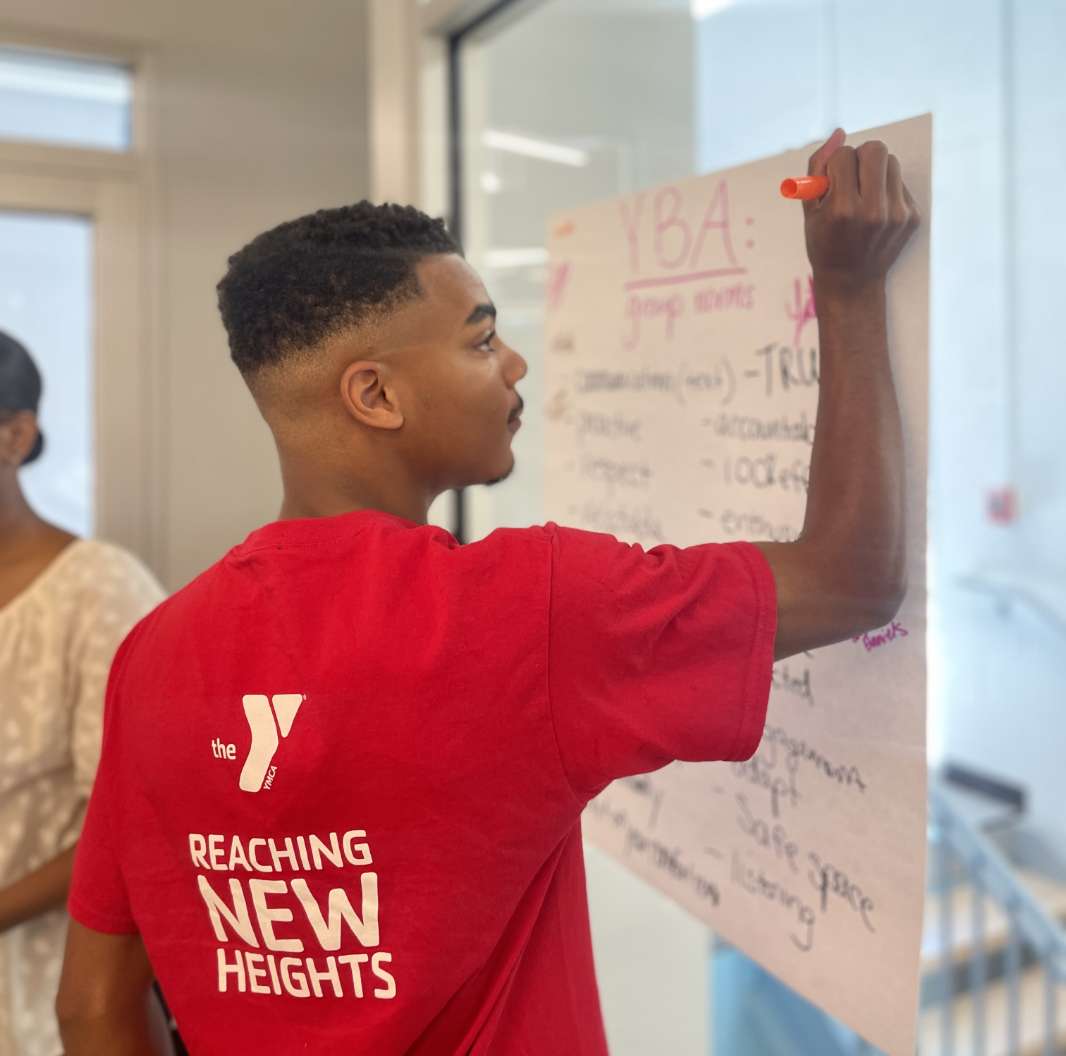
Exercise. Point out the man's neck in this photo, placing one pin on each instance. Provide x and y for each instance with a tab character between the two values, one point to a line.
300	505
312	489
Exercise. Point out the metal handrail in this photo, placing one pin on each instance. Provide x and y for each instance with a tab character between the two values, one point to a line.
999	879
991	875
1010	591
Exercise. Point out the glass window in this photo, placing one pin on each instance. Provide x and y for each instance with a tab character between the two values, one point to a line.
57	99
608	119
46	303
633	93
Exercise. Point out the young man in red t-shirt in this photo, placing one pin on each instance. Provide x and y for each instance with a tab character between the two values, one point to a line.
338	809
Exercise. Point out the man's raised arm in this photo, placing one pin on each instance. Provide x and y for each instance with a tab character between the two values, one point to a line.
847	571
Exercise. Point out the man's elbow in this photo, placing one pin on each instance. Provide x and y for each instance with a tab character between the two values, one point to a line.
864	589
82	1013
874	582
877	603
73	1012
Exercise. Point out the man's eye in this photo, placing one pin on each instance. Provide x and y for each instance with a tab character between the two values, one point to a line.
486	342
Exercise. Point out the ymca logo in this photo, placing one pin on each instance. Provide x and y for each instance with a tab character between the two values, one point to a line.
269	721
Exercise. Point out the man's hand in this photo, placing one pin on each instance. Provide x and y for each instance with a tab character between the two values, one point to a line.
857	229
847	571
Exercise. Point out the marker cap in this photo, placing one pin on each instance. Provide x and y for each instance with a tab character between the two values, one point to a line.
804	188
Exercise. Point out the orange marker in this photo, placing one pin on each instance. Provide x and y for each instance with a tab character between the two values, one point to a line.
805	188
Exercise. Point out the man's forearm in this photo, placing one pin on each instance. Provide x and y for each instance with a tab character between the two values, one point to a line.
847	571
855	502
37	892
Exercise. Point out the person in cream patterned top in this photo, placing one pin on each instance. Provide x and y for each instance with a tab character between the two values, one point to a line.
65	606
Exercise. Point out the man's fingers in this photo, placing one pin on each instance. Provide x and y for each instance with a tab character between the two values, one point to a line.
859	228
873	177
816	164
912	206
843	172
897	204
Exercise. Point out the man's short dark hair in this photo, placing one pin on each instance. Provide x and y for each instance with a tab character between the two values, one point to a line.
307	279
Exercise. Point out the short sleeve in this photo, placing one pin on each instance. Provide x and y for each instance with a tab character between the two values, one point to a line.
656	655
98	897
117	592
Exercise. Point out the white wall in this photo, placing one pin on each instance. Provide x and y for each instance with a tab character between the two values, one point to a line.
258	113
1004	692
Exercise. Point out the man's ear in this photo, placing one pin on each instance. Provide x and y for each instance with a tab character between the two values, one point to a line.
369	395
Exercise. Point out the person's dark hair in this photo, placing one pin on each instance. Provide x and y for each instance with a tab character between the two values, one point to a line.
20	386
306	279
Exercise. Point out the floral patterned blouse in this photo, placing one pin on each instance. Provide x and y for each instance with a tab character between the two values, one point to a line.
57	640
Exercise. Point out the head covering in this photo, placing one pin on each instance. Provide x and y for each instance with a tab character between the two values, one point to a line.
20	384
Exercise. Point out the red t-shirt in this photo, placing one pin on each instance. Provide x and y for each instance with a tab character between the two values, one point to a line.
343	772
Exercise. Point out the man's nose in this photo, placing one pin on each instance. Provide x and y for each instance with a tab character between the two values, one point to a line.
519	368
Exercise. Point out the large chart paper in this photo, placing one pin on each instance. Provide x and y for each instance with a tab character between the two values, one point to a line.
681	396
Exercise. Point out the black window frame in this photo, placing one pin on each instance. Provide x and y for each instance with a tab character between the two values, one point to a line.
456	173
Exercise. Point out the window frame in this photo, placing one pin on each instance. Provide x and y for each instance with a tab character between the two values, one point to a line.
118	191
416	85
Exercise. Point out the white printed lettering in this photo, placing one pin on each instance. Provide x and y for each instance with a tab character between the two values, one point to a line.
266	915
237	917
341	911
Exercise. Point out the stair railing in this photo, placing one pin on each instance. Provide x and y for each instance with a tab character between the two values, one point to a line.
961	848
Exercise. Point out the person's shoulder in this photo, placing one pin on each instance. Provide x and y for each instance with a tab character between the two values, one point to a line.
537	537
551	538
168	610
582	543
110	569
104	553
106	591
